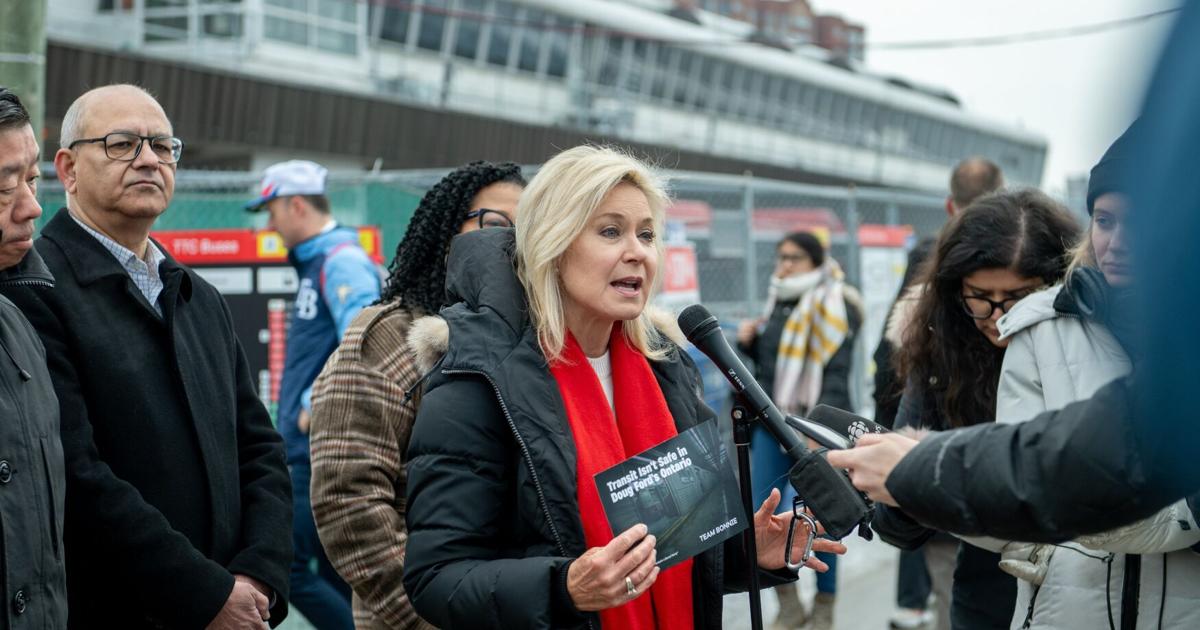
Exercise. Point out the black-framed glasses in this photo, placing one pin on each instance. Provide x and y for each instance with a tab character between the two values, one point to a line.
492	218
126	147
791	258
979	307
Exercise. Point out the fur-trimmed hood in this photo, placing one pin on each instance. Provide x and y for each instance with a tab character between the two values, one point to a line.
902	314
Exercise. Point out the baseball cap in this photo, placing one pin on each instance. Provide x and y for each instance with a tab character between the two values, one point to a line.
294	177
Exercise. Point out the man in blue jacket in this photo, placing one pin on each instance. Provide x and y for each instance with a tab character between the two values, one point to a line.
336	280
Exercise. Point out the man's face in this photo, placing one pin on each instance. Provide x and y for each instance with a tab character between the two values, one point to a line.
284	217
18	189
105	187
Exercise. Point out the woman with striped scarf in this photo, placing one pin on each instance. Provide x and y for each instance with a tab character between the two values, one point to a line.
803	350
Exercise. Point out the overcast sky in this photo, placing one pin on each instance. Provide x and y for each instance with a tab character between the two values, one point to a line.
1079	92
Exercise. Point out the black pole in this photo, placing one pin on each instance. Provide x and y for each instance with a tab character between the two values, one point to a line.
741	437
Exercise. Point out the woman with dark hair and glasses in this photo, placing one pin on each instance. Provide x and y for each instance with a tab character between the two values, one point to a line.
362	414
1002	248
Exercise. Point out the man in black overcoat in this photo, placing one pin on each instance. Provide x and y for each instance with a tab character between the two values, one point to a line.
178	500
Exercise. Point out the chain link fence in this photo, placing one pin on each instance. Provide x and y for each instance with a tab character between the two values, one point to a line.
732	222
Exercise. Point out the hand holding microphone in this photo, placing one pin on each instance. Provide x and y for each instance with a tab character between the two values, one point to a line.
871	461
867	450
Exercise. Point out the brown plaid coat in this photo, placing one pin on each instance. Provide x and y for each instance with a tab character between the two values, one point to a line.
361	423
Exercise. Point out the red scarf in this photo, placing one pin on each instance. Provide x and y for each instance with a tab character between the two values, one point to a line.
642	420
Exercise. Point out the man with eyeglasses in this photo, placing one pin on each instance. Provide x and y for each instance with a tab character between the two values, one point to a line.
178	503
336	280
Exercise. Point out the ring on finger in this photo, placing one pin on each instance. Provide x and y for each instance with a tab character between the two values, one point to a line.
630	589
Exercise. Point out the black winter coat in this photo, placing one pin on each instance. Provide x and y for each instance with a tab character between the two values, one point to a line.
1007	480
983	595
493	520
175	476
33	579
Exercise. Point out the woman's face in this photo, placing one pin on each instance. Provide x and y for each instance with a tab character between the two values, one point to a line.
791	260
1004	287
1109	238
500	200
608	270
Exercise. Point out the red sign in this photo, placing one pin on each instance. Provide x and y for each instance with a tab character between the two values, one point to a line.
872	235
211	247
695	214
680	270
797	219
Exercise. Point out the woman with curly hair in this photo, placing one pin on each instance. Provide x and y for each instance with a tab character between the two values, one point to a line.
362	411
1002	248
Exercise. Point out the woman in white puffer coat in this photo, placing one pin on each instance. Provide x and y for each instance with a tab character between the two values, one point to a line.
1067	342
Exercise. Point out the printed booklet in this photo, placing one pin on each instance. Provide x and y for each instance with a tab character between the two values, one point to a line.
684	490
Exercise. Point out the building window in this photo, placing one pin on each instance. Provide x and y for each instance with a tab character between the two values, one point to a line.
530	39
391	22
466	39
433	25
500	43
283	30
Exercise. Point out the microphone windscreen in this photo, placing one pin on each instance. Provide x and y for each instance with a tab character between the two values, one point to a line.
851	425
693	319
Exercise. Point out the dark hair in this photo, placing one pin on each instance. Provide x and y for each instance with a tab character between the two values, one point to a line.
1024	231
12	112
318	202
973	178
417	275
809	243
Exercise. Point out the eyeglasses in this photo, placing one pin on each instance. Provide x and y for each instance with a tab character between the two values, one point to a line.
791	258
126	147
491	218
978	307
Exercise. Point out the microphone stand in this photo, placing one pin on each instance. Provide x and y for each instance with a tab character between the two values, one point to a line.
742	423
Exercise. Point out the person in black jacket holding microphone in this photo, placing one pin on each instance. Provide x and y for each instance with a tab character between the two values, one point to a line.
1129	448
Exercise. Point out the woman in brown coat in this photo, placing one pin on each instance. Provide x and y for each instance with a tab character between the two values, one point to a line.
362	413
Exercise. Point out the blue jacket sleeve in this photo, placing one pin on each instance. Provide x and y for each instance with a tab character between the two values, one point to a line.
350	284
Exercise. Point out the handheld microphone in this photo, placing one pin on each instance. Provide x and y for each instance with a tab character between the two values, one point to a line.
819	433
704	331
845	426
824	488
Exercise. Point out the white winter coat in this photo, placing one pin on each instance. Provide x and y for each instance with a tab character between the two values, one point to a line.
1055	359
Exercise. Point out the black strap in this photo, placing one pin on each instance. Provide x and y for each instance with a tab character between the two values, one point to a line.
1029	612
1130	587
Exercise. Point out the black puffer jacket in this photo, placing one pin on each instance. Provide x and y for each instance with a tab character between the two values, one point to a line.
493	520
33	580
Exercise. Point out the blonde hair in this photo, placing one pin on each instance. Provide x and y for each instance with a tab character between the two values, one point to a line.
554	210
1083	254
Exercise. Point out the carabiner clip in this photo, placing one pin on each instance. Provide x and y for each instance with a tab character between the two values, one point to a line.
798	514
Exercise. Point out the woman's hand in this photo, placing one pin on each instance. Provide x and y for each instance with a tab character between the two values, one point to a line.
597	579
871	461
747	330
770	536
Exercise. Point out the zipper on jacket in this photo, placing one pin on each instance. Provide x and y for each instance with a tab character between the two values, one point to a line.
537	484
31	282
